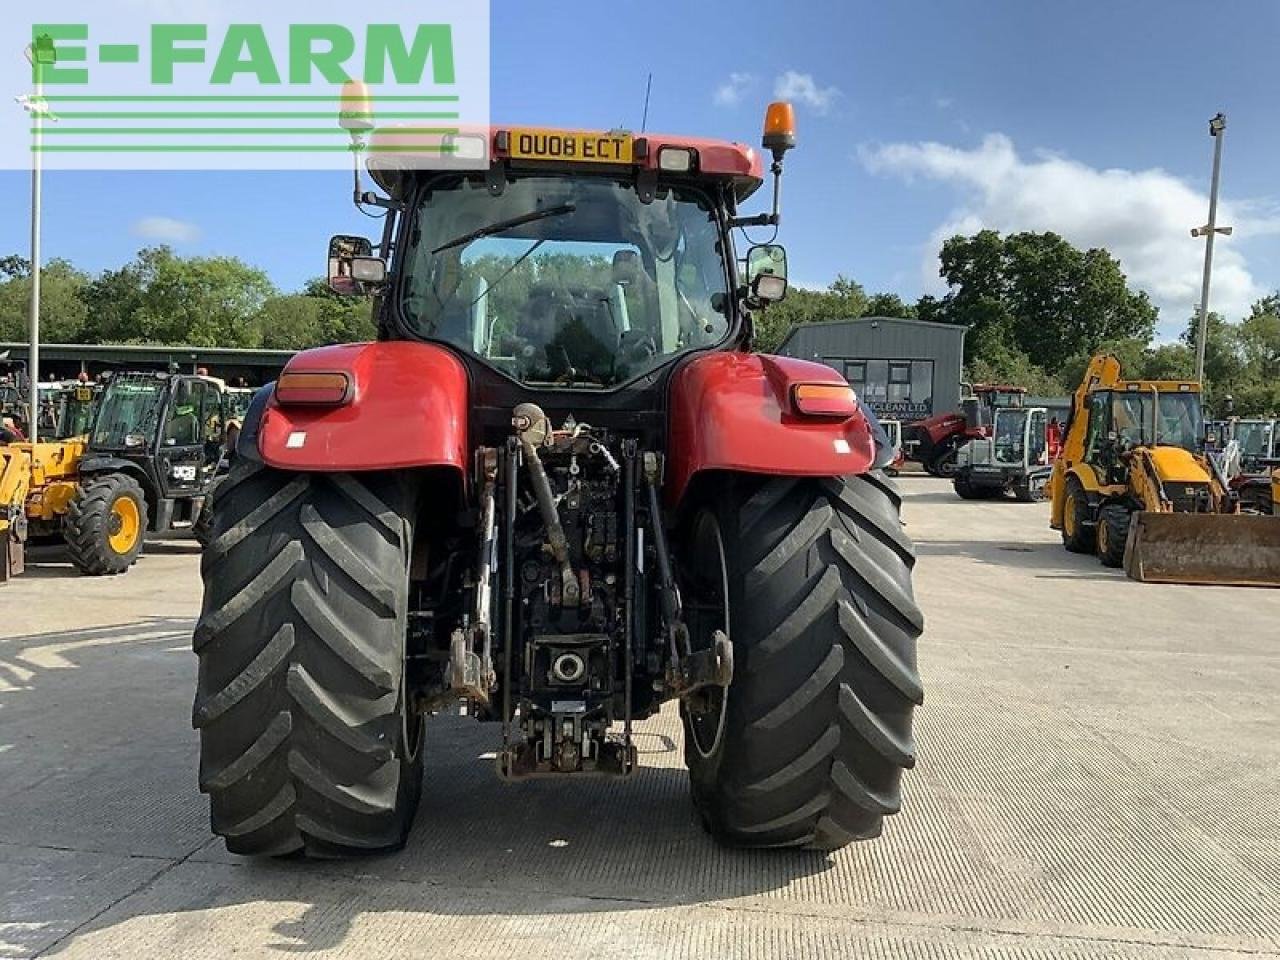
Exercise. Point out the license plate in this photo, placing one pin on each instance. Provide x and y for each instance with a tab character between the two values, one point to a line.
84	394
573	147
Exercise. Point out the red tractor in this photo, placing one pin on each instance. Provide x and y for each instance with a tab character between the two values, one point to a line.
561	490
933	442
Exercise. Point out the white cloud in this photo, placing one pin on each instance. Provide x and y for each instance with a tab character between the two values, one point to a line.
731	92
1142	216
803	88
166	230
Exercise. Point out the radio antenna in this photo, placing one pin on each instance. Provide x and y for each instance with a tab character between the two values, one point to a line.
648	89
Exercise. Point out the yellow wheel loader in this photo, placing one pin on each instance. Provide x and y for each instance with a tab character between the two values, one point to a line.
38	481
1135	486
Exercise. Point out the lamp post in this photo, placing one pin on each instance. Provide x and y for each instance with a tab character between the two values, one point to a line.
1217	130
40	54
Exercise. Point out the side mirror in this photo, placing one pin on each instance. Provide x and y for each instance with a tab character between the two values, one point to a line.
767	272
353	269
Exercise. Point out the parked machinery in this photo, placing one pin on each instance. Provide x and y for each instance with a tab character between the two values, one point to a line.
1014	459
1252	445
1135	486
934	442
562	490
145	465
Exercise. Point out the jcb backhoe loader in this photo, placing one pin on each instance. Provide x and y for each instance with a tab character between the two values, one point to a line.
1135	486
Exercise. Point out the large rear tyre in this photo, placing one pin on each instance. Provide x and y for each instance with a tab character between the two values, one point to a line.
816	726
1113	533
106	524
1078	534
307	739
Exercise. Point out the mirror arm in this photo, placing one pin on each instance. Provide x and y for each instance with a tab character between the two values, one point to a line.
759	220
774	217
362	197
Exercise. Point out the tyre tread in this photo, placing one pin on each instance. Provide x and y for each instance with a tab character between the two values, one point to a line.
819	728
301	650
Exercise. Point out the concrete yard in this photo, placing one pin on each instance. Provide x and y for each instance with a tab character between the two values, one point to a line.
1099	776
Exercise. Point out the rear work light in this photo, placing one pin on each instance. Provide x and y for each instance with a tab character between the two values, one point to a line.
675	160
322	389
833	400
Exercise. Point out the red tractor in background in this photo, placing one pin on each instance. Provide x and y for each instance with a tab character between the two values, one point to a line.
560	490
933	442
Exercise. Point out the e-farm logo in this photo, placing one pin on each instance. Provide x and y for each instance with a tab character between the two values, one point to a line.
316	50
240	93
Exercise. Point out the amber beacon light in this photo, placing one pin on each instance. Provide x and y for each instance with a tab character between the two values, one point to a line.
779	129
779	137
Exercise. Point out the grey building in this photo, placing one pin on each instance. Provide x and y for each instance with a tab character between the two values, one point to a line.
64	361
903	369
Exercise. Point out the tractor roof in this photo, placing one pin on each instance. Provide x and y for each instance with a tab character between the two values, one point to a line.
396	148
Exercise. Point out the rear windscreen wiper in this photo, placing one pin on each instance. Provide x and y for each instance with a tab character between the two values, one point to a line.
504	225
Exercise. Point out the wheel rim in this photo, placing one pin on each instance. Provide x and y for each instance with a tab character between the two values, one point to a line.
1069	515
412	720
706	612
1104	539
123	525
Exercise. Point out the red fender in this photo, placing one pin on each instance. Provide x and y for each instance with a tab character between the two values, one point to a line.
407	408
732	411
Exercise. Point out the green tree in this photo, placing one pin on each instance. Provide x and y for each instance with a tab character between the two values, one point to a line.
62	308
312	319
13	267
1011	366
843	300
162	298
1257	347
1038	295
1224	370
888	305
1169	361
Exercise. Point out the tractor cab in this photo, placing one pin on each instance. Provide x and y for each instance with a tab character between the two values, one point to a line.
983	400
164	431
574	263
66	409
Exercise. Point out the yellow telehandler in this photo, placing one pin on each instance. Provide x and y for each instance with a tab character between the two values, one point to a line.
1134	486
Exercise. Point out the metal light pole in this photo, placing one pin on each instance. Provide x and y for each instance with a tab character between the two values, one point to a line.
39	54
1217	130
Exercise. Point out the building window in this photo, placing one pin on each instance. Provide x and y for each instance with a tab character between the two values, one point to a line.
894	389
899	390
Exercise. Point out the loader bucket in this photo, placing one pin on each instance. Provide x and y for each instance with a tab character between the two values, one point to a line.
1211	548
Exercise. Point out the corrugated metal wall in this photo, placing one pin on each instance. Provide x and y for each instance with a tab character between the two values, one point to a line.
842	344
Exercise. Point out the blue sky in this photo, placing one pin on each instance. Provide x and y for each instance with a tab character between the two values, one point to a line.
916	119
